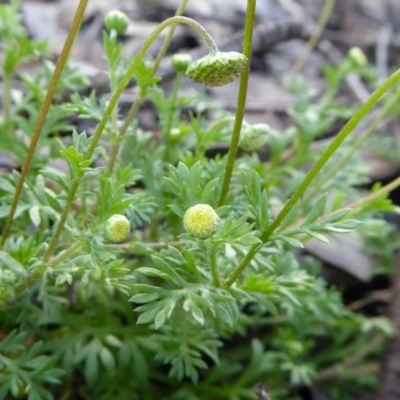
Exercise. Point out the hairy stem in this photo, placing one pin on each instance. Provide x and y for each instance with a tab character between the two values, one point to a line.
241	102
113	102
139	99
43	113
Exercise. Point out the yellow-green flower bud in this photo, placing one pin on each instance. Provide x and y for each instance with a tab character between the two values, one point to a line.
117	228
357	56
217	69
252	137
181	62
201	221
117	21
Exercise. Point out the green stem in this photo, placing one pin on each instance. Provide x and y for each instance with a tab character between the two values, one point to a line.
63	218
213	266
113	102
241	102
356	145
168	38
202	141
346	130
43	114
112	65
38	273
323	20
138	101
65	255
339	139
7	97
374	196
173	103
242	266
115	148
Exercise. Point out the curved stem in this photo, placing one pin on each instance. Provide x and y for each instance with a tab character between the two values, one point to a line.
241	103
346	130
113	102
43	113
168	38
138	101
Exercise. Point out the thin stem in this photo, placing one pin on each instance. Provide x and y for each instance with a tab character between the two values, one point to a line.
242	266
132	112
63	218
139	99
113	102
213	266
65	255
376	195
173	103
356	145
346	130
323	20
168	38
241	102
7	97
43	113
38	273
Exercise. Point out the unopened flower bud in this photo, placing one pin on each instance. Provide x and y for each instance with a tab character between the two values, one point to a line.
117	21
252	137
117	228
217	69
181	62
201	221
357	56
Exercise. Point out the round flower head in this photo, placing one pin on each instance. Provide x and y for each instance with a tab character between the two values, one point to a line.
117	21
117	228
181	62
252	137
200	221
357	56
217	69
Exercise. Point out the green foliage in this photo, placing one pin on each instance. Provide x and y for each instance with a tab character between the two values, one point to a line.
166	315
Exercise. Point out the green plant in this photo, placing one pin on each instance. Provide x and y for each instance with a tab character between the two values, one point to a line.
201	314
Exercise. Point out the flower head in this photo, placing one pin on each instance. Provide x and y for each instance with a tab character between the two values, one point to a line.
252	137
201	221
181	62
357	56
117	228
117	21
217	69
